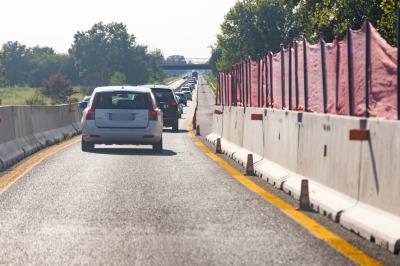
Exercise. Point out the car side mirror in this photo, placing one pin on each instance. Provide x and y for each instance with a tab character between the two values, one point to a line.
83	105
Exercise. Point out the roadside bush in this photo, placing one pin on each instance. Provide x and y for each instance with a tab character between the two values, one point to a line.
58	88
36	99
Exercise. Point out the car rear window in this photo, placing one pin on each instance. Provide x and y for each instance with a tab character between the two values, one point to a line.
163	95
120	100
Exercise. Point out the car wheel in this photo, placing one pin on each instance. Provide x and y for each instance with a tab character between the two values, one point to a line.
87	146
158	147
175	127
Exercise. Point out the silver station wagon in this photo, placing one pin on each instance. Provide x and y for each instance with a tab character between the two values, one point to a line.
122	115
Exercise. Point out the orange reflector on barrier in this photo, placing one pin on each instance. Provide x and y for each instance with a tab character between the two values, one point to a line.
359	134
218	112
72	101
256	117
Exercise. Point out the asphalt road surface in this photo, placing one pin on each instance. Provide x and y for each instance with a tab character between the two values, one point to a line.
126	205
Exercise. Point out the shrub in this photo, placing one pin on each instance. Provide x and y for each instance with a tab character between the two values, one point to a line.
36	99
58	88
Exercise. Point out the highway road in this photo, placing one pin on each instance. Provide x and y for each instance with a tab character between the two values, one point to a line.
126	205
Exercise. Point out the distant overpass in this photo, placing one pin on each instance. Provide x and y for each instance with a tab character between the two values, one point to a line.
191	64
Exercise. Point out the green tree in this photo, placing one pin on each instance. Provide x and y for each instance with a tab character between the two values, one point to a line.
118	79
176	59
215	57
387	22
14	58
58	88
105	49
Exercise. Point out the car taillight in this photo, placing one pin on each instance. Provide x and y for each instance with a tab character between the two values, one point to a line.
173	103
153	115
90	114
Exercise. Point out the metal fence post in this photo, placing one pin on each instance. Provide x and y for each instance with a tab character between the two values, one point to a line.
350	71
323	64
262	81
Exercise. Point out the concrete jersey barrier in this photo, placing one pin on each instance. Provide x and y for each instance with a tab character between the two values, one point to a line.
354	182
26	129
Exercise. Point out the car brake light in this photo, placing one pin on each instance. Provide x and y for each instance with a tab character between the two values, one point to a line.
90	115
153	114
173	103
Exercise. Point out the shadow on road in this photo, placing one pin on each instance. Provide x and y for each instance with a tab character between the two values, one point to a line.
133	151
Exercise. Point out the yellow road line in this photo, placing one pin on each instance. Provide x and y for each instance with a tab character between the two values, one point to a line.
16	172
316	229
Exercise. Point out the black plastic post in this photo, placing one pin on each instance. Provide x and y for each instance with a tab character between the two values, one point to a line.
283	76
398	64
258	83
242	81
305	75
296	75
262	81
271	79
266	80
367	65
350	71
247	83
323	64
233	88
290	77
249	92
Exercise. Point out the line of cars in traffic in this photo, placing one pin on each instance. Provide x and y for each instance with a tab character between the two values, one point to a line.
132	114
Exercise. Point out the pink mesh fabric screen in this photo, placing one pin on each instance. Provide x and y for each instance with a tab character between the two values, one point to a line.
383	86
276	79
315	88
292	88
264	84
254	83
343	82
300	73
358	56
330	63
286	79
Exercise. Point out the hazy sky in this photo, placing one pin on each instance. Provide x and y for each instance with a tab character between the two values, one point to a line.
184	27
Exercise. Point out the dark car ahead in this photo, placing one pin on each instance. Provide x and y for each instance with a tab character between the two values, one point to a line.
168	103
182	98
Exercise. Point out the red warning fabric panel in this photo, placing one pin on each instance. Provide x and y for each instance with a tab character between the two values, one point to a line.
315	88
358	56
383	92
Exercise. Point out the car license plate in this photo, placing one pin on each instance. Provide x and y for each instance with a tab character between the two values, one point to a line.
122	117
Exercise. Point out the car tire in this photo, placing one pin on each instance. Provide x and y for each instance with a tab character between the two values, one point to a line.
158	147
175	127
87	146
